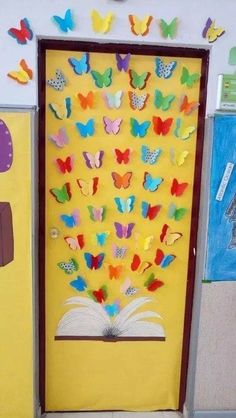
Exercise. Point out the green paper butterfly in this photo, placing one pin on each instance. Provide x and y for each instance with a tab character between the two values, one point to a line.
189	79
62	195
138	81
175	213
163	102
102	80
168	29
68	266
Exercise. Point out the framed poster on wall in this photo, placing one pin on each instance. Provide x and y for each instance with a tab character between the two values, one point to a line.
121	137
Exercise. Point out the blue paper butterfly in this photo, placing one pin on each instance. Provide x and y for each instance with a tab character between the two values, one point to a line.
125	205
151	183
71	220
101	238
94	262
165	70
139	129
112	309
87	129
80	66
167	260
65	23
150	156
79	284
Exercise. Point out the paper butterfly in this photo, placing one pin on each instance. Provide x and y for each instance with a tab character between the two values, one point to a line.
113	101
139	129
138	81
138	26
112	126
75	243
122	156
137	102
60	139
168	237
189	79
150	212
161	127
186	106
88	188
68	266
62	195
101	238
113	309
94	262
164	70
144	243
123	231
59	82
61	111
118	252
149	156
79	284
127	288
125	205
168	29
23	34
65	165
183	133
97	214
176	213
71	220
93	160
210	32
151	183
86	101
102	80
139	265
152	283
177	189
115	271
122	181
80	66
86	129
123	63
99	295
179	159
101	24
163	260
64	24
23	75
163	102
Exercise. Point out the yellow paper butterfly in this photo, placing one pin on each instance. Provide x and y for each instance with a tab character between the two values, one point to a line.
210	32
178	159
88	188
168	237
140	26
144	243
23	75
101	24
183	132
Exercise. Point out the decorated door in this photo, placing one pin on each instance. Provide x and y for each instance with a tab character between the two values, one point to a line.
121	135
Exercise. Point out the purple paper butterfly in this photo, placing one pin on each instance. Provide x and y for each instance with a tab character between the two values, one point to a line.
93	161
123	63
123	231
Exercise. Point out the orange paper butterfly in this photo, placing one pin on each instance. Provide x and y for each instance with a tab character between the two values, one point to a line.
122	181
115	271
86	101
186	106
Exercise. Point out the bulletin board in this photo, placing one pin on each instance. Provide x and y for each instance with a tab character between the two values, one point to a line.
121	136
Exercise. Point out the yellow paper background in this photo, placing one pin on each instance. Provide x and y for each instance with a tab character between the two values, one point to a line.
94	375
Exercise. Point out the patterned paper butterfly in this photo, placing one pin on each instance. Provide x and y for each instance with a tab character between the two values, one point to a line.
163	102
23	34
59	82
94	262
71	220
88	188
86	129
76	243
139	265
23	75
176	213
123	62
148	211
140	26
163	260
169	29
149	156
64	23
113	100
177	189
62	195
80	66
121	181
164	70
139	129
189	79
152	283
161	127
101	24
168	237
102	79
79	284
178	159
137	102
138	81
122	156
124	231
60	139
112	126
125	205
65	166
93	160
119	252
69	267
97	214
127	288
61	111
144	243
210	32
115	271
183	132
151	183
86	101
99	295
186	106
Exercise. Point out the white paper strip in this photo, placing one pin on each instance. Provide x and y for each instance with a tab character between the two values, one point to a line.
224	181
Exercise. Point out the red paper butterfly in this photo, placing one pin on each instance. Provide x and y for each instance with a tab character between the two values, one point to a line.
65	165
152	283
161	127
22	34
122	156
177	189
139	265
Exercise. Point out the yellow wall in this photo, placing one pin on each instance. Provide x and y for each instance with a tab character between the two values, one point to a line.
16	318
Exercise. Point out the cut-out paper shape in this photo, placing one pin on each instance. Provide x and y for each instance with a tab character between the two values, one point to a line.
6	234
186	106
72	220
62	195
102	79
138	265
60	139
121	181
137	102
101	238
69	267
176	213
99	295
177	189
124	231
163	102
210	32
183	132
189	79
125	205
86	129
163	260
76	243
232	56
88	188
138	81
101	24
115	271
152	284
144	243
178	159
65	166
66	23
23	34
149	156
112	309
6	148
168	237
97	214
112	126
113	100
119	252
79	284
123	62
80	66
161	127
61	111
86	101
59	82
122	156
140	26
168	30
23	75
139	129
164	70
151	183
54	233
93	160
148	211
94	262
127	288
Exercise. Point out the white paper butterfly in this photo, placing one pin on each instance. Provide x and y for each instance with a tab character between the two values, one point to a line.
113	101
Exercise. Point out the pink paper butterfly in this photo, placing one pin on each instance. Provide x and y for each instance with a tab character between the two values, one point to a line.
60	139
112	126
75	243
97	214
123	231
118	252
93	161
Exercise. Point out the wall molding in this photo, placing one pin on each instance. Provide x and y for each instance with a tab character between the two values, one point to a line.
214	414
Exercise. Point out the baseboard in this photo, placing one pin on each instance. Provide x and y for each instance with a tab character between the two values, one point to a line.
214	414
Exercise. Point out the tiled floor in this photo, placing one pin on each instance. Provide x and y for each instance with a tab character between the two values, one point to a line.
116	415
